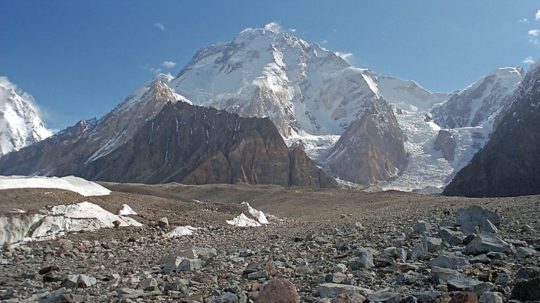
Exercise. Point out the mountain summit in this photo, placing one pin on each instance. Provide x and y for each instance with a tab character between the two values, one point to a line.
308	92
20	124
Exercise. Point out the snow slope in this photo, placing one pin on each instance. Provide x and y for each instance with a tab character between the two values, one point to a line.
467	115
71	183
20	124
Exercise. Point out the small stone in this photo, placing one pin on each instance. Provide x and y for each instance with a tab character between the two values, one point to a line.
449	236
163	222
332	290
469	284
480	259
441	275
464	297
385	297
48	269
148	284
526	273
449	261
263	274
189	265
525	252
85	281
364	259
421	226
278	290
433	244
491	297
419	250
225	298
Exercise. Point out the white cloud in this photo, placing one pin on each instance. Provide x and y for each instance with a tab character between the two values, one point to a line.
538	15
168	64
155	71
292	30
159	26
534	41
528	60
324	42
534	32
524	20
345	56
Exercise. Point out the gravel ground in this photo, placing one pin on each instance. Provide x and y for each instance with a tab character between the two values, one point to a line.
318	240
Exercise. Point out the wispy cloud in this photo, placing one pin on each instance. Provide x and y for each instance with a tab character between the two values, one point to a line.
538	15
324	42
528	60
534	32
524	20
168	64
345	56
159	26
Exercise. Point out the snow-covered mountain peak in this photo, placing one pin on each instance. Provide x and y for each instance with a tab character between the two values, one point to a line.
20	123
480	102
267	72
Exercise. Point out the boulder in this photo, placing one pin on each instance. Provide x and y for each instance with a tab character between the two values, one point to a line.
278	290
332	290
491	297
486	243
450	236
469	284
364	259
449	261
441	275
225	298
421	226
475	217
385	297
527	290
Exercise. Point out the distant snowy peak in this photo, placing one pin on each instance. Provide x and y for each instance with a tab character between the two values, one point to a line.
481	102
407	94
20	124
265	72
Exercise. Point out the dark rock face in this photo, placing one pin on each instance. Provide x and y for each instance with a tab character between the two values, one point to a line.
182	143
367	152
446	143
509	163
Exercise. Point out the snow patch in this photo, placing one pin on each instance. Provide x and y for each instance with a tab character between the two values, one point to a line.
243	221
261	217
126	210
71	183
180	231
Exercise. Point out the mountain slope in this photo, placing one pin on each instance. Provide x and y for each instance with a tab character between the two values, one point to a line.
20	124
310	93
509	163
481	102
178	143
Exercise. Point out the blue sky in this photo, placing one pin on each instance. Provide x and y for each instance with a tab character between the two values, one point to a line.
81	58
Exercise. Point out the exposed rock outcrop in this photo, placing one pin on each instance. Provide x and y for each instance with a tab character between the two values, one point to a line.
446	144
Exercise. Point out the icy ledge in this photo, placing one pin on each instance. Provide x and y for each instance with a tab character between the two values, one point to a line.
84	216
71	183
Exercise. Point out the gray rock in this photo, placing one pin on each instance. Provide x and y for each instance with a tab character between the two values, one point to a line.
189	265
332	290
491	297
433	244
336	277
525	252
486	243
428	296
85	281
396	253
263	274
421	226
526	273
475	217
385	296
342	268
480	259
70	281
130	293
225	298
441	275
450	236
364	259
148	284
526	290
469	284
449	261
419	250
